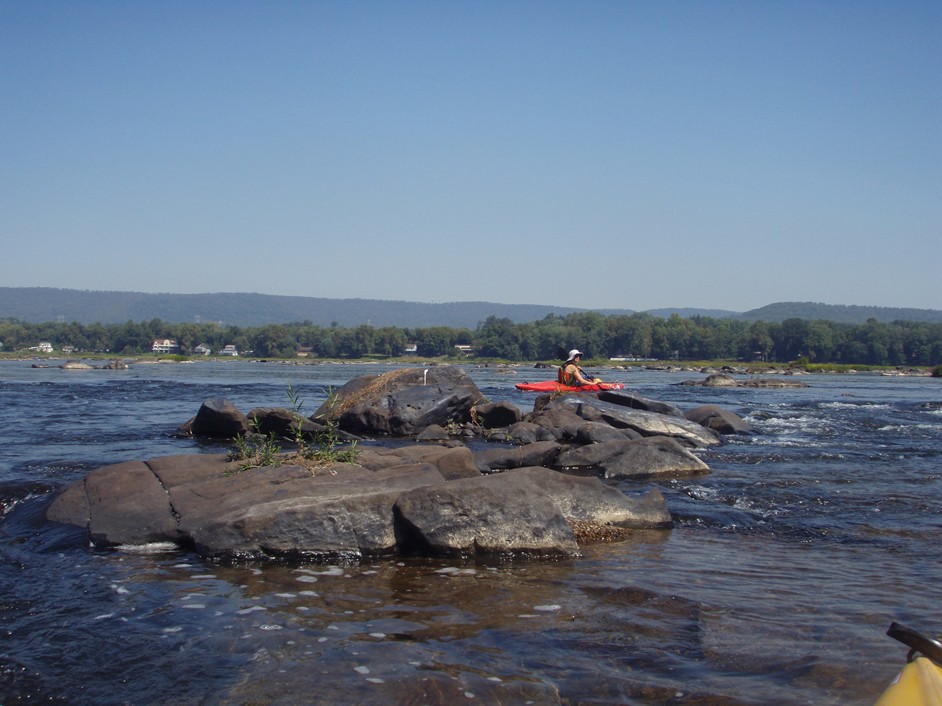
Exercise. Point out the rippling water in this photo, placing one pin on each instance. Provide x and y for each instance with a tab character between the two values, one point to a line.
776	585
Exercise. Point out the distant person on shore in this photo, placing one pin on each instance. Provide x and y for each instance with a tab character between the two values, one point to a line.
571	374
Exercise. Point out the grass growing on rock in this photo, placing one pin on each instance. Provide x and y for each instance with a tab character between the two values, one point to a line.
316	452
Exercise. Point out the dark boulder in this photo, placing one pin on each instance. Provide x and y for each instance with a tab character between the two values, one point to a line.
597	432
718	419
528	433
495	415
562	422
217	418
584	458
280	422
653	456
433	432
403	402
540	453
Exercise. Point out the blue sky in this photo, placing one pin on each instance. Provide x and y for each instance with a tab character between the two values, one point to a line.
635	154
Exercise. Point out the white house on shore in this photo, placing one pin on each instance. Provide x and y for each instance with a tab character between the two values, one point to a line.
43	347
202	349
229	350
165	345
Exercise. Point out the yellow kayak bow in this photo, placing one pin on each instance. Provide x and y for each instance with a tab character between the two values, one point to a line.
920	682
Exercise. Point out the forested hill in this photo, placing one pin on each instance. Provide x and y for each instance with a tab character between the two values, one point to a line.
43	304
813	311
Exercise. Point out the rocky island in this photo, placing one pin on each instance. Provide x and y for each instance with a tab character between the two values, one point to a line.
437	470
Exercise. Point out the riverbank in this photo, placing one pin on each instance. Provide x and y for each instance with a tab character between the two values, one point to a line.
671	366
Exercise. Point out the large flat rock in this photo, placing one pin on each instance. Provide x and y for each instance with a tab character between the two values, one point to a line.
345	510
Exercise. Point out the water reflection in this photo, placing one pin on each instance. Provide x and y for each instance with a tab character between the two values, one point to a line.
626	622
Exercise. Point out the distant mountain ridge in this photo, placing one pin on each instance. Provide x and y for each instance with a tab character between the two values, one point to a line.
41	304
49	304
839	313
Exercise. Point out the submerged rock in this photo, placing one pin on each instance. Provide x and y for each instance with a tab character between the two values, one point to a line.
722	380
75	365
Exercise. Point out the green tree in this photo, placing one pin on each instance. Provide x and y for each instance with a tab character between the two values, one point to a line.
819	341
499	338
434	341
876	337
274	341
632	335
552	337
132	339
758	342
356	342
390	341
678	333
14	334
791	340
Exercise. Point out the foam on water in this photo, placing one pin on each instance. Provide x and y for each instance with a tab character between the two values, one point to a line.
149	548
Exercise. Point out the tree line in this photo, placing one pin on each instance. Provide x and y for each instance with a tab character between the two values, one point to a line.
639	336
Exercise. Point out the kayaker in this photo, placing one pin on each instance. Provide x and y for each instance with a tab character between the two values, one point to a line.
571	374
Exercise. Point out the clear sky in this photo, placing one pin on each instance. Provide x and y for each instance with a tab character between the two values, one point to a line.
622	154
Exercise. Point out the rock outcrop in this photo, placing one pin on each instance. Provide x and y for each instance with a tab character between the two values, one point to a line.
590	408
403	402
346	511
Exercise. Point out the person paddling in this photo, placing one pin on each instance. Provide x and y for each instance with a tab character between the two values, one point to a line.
571	374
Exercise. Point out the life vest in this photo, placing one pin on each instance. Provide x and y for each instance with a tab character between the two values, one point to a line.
565	378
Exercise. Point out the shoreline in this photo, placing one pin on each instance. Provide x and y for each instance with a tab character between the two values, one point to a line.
512	367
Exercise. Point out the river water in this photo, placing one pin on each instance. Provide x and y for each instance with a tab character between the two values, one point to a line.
784	568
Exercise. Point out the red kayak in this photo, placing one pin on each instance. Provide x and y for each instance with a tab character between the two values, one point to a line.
553	386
